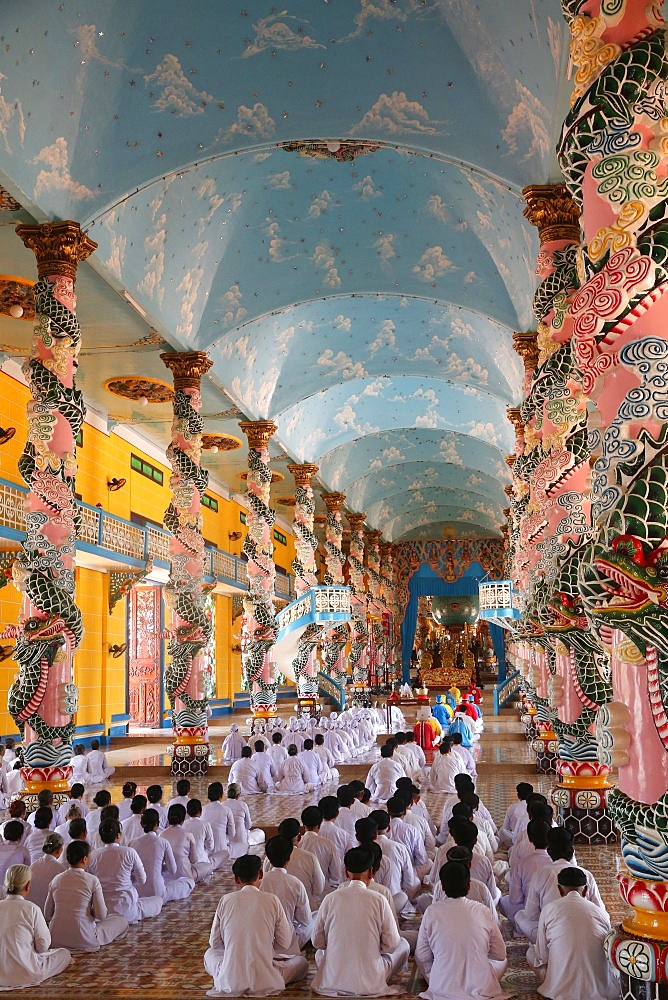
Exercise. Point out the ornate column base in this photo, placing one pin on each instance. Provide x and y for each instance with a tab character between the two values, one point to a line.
37	779
530	726
545	747
581	800
638	947
190	759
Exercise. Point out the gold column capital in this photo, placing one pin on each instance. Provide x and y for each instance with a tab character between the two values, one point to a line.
510	460
515	418
373	535
509	491
258	432
333	501
58	246
526	345
551	209
187	367
356	521
387	551
303	474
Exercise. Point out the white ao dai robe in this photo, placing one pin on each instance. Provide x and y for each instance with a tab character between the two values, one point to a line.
293	777
157	858
458	939
26	957
360	946
44	870
77	912
120	870
571	932
249	933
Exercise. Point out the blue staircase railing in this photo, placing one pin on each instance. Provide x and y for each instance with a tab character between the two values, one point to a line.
504	692
333	690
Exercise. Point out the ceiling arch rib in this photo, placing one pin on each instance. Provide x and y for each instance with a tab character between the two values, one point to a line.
427	498
396	527
423	449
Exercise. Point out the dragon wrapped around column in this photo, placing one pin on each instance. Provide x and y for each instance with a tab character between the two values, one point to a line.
305	570
259	620
360	631
334	641
190	627
43	697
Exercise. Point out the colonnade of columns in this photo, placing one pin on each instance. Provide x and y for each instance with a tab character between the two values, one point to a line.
588	533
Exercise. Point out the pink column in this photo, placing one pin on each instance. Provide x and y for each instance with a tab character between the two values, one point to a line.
360	633
305	569
186	676
335	641
43	699
259	628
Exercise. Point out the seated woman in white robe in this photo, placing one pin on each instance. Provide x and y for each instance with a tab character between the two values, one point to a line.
460	951
35	839
98	770
45	869
293	775
183	847
12	782
157	858
120	871
245	837
26	956
75	907
106	812
202	833
128	791
249	939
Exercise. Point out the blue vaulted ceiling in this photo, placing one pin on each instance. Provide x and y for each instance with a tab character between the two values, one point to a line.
324	196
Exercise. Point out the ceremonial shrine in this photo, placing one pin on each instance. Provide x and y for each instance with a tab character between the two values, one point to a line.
334	499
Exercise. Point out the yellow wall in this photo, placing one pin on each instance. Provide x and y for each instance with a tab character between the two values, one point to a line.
101	678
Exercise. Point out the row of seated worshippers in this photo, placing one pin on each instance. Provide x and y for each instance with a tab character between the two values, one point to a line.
362	939
76	885
343	736
357	909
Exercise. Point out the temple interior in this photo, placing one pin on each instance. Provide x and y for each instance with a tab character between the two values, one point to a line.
333	379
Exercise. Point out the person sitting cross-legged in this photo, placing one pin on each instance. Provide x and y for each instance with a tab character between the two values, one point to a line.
460	951
120	870
249	940
289	890
26	955
75	906
158	860
359	948
569	956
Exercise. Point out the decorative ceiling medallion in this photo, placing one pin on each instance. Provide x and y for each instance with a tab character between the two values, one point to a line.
140	388
276	477
16	297
223	442
332	149
7	203
286	501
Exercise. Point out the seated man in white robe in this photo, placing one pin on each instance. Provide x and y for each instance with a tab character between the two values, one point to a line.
460	951
313	762
249	940
264	764
184	848
245	773
329	806
478	891
289	890
99	770
75	908
277	752
182	797
233	745
329	770
293	775
382	777
520	875
131	826
120	870
544	887
569	956
358	945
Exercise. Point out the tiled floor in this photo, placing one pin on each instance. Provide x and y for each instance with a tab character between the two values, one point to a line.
163	957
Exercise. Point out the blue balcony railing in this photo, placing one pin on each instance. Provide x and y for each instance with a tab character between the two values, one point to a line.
129	544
